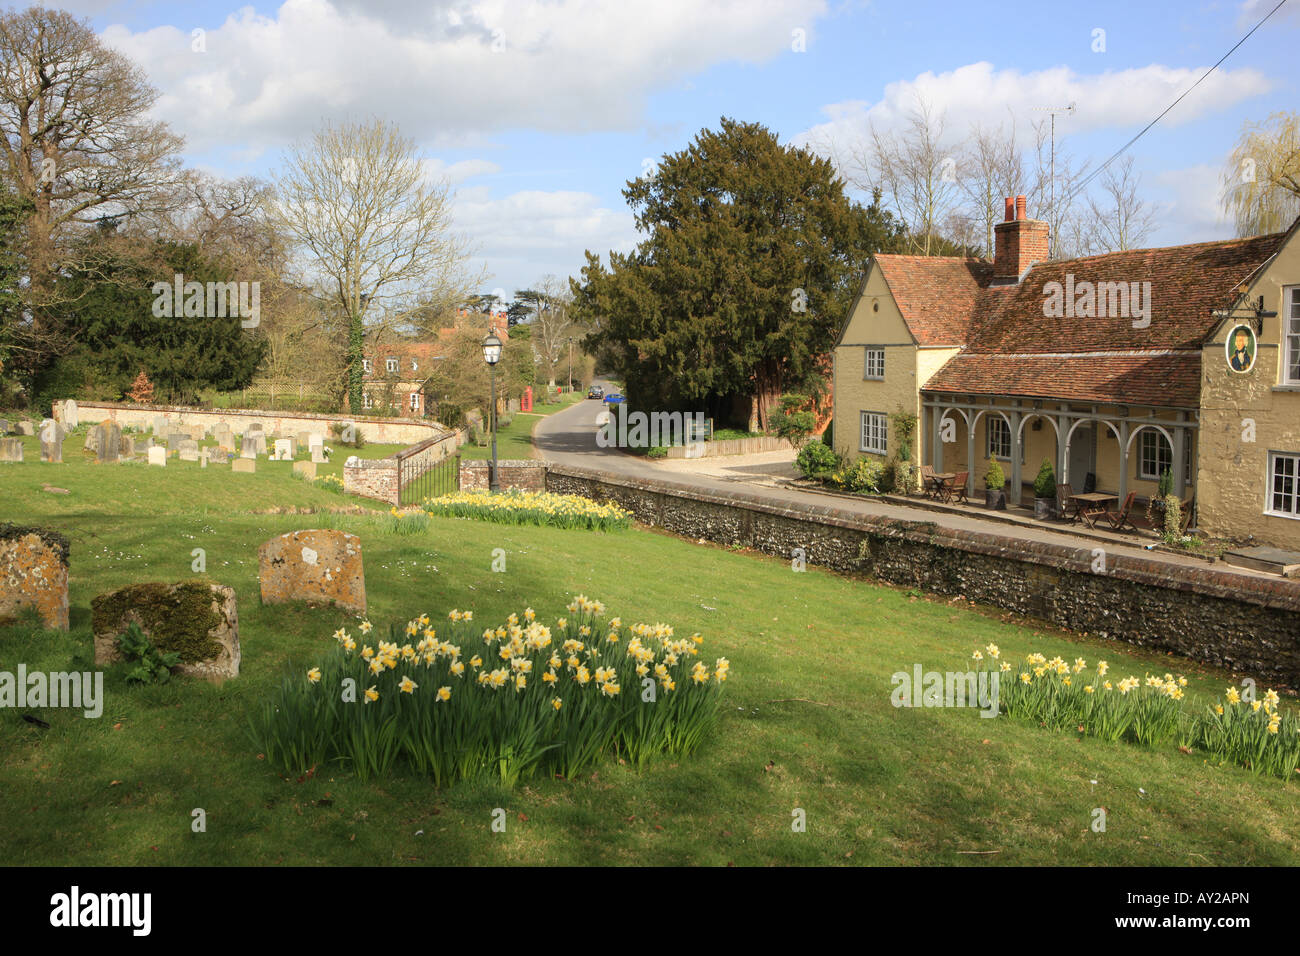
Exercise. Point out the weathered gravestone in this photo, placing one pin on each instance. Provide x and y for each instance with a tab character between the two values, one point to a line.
245	465
158	456
196	619
108	442
203	458
218	456
26	428
34	574
303	439
283	449
174	439
128	446
223	435
11	449
189	450
51	441
160	425
305	468
5	427
316	566
317	446
70	420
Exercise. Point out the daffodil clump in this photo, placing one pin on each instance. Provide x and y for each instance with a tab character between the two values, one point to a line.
539	508
516	700
331	482
1147	710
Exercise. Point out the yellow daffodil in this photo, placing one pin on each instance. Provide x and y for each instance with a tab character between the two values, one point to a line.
313	675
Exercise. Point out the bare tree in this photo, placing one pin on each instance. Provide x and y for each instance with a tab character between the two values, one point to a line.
1054	183
78	146
1261	179
992	168
357	200
1119	220
915	172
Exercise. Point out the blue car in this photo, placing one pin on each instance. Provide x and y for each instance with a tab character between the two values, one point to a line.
613	398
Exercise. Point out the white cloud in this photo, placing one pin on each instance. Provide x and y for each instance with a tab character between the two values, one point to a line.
979	93
449	73
1195	213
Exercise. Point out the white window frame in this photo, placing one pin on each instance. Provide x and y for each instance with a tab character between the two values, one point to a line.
415	401
873	371
988	438
415	366
1142	455
367	401
1290	315
1271	490
391	364
873	426
365	366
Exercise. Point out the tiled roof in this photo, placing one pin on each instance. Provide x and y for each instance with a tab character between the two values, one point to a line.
1168	378
936	294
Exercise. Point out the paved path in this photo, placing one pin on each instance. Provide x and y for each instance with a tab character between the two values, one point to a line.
568	437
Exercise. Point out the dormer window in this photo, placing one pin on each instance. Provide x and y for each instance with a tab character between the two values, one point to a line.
392	365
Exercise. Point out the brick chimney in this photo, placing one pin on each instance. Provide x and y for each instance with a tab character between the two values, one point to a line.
1019	241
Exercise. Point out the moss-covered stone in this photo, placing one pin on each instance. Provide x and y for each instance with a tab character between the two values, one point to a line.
177	617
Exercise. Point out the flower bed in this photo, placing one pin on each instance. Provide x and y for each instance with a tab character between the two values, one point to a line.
540	508
1254	734
515	701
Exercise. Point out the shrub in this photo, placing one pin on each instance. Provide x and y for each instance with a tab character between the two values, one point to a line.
793	420
817	460
154	666
530	700
339	429
994	479
539	508
1173	519
864	476
1045	483
656	451
503	421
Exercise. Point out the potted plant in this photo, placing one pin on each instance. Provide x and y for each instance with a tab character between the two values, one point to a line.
995	496
1045	491
1156	503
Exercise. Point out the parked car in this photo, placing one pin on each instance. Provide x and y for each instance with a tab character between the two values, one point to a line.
595	392
613	398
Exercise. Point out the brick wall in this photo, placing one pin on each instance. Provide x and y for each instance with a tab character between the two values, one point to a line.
513	474
371	478
1224	618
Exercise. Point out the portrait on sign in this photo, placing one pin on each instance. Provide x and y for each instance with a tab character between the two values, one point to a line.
1241	347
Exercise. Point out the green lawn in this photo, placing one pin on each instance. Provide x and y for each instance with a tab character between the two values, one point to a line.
515	441
806	721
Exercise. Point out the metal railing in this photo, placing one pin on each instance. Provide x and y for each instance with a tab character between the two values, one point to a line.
426	471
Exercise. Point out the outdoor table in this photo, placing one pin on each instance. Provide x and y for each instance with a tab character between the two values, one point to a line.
935	482
1090	505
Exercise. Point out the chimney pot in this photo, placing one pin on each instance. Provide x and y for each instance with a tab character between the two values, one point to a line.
1020	208
1010	210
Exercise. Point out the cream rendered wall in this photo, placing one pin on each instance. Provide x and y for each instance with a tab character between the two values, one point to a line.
1232	482
875	321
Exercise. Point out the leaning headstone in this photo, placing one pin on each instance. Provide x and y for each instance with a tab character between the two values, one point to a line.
51	441
317	566
245	465
283	449
26	428
108	442
158	456
11	449
70	420
189	450
34	572
305	468
92	440
198	621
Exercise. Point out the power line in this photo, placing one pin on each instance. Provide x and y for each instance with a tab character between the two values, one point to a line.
1098	171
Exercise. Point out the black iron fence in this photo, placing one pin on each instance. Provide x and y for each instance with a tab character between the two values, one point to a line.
424	471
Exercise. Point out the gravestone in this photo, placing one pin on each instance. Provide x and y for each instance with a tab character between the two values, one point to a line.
283	449
317	446
189	450
34	573
70	420
11	449
203	458
254	428
51	441
223	435
218	456
316	566
160	425
305	468
303	439
174	439
108	442
26	428
245	465
158	456
5	427
128	446
197	432
199	621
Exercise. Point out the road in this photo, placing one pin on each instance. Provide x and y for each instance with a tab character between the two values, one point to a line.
568	437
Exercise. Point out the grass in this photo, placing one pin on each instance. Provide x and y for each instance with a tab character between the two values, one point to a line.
515	441
806	723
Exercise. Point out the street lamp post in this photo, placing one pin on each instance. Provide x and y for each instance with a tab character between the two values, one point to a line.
492	355
570	362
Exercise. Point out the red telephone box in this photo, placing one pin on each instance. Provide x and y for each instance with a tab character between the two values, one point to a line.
526	400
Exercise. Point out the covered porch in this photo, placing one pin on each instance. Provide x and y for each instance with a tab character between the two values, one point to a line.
1092	446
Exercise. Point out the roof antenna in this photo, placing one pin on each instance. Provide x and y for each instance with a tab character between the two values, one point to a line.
1053	110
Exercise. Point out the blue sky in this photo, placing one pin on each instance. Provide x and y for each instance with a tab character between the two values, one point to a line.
538	112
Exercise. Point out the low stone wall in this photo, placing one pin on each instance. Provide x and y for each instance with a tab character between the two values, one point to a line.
1231	620
519	474
731	446
383	431
379	478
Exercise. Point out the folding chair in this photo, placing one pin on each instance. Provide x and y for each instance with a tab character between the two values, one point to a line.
1118	519
1089	483
1064	506
956	488
1185	520
928	481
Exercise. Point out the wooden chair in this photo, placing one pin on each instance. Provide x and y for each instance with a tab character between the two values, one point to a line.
1185	520
955	487
1119	519
1064	506
927	481
1089	483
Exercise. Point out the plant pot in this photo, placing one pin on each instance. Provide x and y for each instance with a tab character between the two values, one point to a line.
1044	507
995	499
